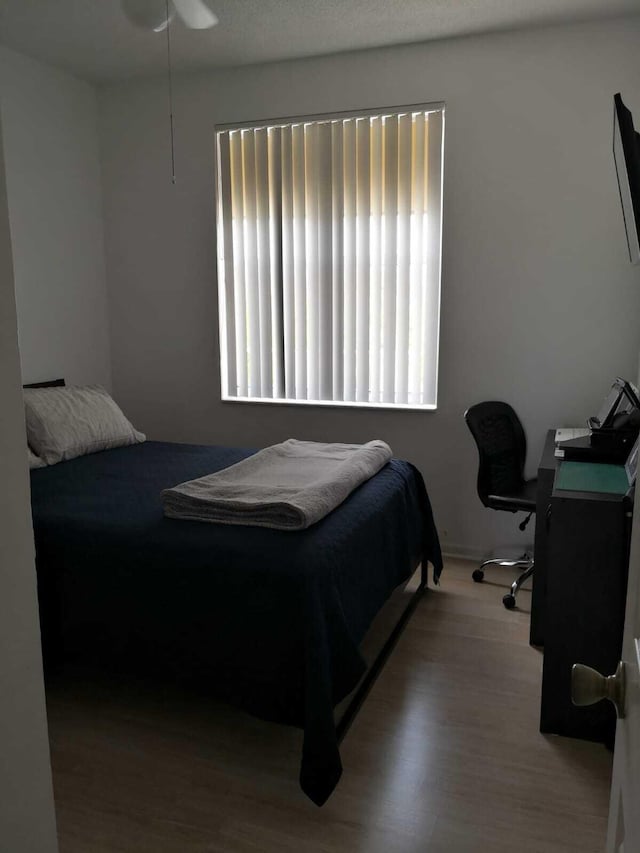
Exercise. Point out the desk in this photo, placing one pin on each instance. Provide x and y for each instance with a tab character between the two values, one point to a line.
580	600
546	475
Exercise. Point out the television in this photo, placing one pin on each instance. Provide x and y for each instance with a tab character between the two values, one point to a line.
626	153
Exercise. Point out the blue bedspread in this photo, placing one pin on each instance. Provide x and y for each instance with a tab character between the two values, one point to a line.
269	620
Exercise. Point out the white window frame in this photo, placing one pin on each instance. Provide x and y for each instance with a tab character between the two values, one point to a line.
223	303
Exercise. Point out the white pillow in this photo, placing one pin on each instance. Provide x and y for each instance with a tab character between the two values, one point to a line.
35	461
66	422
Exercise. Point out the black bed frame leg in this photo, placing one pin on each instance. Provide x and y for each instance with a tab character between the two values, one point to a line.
378	664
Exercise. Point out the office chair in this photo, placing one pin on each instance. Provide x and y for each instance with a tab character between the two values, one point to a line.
502	448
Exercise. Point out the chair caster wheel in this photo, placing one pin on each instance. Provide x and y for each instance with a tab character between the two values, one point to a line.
478	575
509	601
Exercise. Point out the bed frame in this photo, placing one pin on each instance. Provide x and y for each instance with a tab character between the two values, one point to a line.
347	710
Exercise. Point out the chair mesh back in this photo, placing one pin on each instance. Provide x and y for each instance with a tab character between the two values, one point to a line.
502	448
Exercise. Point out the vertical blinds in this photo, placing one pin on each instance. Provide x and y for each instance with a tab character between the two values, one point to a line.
329	236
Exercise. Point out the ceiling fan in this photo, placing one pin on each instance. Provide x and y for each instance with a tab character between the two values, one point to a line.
156	15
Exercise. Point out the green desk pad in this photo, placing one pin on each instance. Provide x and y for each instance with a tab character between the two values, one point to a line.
592	477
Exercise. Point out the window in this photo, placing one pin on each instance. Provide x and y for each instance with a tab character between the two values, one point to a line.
329	253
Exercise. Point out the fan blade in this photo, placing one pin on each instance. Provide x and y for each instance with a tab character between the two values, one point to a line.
196	14
149	14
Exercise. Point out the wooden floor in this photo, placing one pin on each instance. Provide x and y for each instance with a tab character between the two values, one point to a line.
445	755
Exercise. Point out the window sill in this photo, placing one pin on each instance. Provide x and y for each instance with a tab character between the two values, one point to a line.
333	404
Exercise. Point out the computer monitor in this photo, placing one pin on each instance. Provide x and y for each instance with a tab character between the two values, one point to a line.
626	153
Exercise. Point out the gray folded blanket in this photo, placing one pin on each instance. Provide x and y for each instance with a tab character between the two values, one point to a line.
287	486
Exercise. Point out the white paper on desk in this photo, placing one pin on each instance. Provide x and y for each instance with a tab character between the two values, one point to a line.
569	433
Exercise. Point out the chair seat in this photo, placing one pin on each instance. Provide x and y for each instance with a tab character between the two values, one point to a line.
519	499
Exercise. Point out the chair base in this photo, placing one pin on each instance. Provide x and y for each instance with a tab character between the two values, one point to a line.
526	563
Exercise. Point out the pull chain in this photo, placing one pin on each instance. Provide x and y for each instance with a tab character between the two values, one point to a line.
170	81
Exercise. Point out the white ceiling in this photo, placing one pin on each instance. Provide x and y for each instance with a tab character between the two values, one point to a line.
94	40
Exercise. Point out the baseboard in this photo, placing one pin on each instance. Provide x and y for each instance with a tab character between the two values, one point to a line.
477	555
462	552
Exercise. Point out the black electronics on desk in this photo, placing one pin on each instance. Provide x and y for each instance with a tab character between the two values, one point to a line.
614	430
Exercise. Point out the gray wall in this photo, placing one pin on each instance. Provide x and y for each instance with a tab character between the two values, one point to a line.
55	210
27	820
540	305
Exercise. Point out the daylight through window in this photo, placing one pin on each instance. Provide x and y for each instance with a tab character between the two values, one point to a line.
329	255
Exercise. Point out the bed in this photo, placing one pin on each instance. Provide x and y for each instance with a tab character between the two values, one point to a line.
270	621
